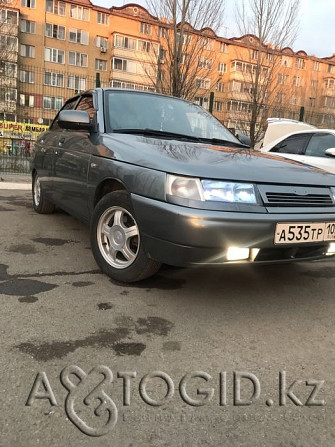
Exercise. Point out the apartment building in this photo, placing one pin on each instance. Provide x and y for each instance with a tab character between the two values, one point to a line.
59	47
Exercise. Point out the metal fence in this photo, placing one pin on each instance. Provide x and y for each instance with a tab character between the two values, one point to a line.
29	102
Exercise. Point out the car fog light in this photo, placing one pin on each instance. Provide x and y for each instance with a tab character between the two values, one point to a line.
237	253
331	249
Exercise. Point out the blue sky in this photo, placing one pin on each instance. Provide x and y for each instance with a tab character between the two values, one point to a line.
317	29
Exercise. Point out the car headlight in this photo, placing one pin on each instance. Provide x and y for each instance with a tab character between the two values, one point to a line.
332	190
208	190
184	187
229	192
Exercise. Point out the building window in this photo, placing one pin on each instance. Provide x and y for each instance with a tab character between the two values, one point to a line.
218	106
224	48
296	81
9	17
329	84
28	3
316	66
100	65
102	43
131	86
27	76
55	7
204	62
162	32
124	42
53	79
145	28
78	36
8	94
124	65
78	59
279	97
80	13
206	43
27	51
27	100
55	31
219	87
330	102
8	69
27	26
222	68
314	84
331	68
312	102
300	63
102	18
9	43
286	62
52	102
76	83
204	83
282	78
144	45
203	102
54	55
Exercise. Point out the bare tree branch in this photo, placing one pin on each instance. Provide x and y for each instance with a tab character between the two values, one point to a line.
186	43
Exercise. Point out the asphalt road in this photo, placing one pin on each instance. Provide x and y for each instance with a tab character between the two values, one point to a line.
66	329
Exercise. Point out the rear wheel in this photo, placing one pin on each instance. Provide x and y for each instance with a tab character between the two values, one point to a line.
40	203
116	240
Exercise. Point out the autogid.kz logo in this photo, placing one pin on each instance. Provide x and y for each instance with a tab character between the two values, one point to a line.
89	407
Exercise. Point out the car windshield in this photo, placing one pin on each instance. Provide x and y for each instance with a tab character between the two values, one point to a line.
136	111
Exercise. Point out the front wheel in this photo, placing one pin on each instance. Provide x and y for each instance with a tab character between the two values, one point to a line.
116	240
40	203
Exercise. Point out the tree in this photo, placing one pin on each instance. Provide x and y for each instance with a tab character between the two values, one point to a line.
186	54
275	26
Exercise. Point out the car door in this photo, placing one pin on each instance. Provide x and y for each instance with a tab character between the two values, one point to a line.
72	163
44	160
315	152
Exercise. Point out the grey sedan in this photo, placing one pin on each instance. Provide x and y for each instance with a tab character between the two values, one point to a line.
159	180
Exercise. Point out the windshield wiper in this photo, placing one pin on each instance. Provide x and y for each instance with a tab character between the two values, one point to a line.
159	133
180	136
223	142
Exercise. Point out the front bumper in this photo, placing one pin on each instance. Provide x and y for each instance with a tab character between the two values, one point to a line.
182	236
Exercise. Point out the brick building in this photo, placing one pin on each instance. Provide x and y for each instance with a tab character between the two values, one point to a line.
51	49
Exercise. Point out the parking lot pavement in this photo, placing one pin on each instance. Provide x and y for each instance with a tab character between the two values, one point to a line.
210	340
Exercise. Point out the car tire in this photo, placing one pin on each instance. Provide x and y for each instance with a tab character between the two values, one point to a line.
40	204
116	240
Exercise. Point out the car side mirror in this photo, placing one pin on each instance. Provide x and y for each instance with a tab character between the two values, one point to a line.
75	120
244	139
330	151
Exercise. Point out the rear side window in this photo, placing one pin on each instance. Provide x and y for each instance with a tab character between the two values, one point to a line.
295	144
319	143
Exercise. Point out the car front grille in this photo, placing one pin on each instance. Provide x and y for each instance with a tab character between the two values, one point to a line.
289	199
295	196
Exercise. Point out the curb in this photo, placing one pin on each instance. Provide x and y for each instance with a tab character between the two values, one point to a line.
15	185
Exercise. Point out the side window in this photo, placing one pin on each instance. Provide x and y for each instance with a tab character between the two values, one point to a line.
319	143
295	144
68	106
86	104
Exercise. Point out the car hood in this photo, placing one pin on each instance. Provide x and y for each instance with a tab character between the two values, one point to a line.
210	161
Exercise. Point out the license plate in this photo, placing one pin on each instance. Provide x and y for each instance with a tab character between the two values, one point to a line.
299	232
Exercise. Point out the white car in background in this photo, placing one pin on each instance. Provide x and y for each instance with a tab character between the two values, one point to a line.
301	142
